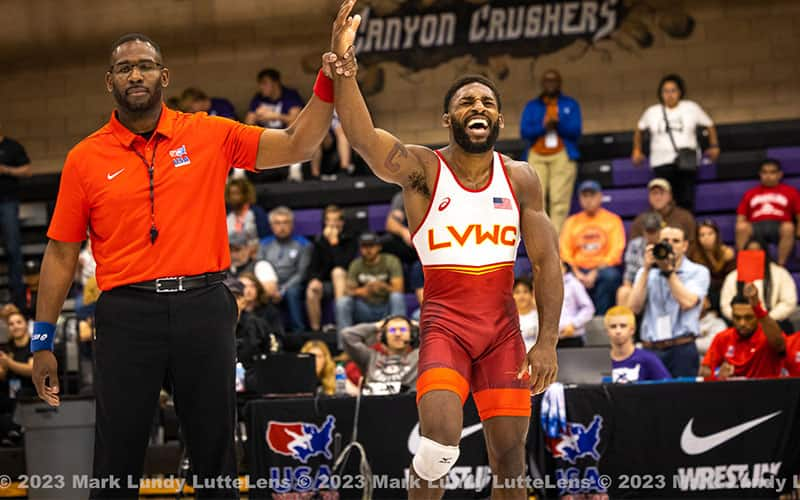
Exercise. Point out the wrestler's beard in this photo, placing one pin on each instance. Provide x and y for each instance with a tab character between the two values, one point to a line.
462	138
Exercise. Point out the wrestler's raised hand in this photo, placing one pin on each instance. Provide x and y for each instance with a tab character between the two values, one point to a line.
540	366
345	29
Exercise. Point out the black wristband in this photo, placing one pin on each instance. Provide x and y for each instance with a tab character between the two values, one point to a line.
667	274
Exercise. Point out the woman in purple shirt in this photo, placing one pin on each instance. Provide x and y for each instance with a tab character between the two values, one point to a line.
628	363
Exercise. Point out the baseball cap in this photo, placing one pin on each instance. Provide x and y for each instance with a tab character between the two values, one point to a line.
652	221
235	286
369	239
237	239
590	185
661	183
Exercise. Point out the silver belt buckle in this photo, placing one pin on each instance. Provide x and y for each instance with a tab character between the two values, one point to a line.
170	285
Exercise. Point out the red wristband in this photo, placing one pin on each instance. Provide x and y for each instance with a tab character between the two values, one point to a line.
759	311
323	87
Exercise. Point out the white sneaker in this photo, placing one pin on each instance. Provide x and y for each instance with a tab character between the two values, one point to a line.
296	172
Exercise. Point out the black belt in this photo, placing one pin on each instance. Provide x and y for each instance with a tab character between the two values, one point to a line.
179	283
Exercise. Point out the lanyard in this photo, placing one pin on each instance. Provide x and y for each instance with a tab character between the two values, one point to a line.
150	169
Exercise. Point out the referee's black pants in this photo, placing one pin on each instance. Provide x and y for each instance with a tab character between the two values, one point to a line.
141	337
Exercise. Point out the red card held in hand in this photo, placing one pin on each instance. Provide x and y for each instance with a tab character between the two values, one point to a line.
750	265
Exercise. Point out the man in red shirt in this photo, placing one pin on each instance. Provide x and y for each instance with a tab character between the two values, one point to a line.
149	186
754	347
767	212
791	361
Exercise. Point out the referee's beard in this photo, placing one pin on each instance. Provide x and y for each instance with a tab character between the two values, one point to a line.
132	105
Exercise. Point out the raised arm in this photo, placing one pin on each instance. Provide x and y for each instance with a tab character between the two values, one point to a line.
387	157
541	244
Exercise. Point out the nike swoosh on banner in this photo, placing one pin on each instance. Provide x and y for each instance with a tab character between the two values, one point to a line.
413	438
111	176
695	445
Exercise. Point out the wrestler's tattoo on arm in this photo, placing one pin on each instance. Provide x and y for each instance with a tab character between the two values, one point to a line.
398	153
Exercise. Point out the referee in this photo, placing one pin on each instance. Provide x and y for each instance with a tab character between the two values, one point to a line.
149	186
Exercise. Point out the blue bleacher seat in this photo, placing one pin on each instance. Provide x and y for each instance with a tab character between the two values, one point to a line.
627	202
377	217
308	222
789	158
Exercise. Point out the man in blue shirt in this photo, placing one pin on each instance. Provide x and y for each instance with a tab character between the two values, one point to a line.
551	124
670	289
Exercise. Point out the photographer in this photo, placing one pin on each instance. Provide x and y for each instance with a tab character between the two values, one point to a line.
670	289
391	366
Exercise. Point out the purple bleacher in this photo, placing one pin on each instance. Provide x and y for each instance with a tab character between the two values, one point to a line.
308	222
727	226
627	223
376	215
707	171
796	277
789	158
725	196
625	174
626	202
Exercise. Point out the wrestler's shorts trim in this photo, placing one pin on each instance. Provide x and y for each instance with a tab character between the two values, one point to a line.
503	403
442	379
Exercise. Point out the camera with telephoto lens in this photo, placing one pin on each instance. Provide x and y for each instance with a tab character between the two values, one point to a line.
662	250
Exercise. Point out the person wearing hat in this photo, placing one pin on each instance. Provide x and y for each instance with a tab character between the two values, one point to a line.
592	242
374	286
659	195
634	253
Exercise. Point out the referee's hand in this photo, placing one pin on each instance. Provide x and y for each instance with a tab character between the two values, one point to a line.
45	376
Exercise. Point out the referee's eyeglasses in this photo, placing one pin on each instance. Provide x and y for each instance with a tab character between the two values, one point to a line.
125	68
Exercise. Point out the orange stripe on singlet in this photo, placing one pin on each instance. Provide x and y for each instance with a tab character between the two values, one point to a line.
472	270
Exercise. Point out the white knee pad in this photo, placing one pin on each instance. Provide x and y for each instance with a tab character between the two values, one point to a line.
434	460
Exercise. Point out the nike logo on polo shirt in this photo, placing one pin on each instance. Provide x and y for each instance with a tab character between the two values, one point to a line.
111	176
695	445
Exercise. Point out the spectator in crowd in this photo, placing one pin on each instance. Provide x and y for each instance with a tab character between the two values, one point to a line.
720	259
526	307
768	212
243	261
673	126
710	325
592	242
289	255
275	106
331	254
244	214
194	100
576	311
753	347
374	286
254	336
398	240
551	124
791	361
628	362
669	290
257	303
16	364
777	290
634	253
325	367
392	367
14	164
30	278
334	155
659	195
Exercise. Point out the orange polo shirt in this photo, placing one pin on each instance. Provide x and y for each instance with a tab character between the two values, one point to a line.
105	187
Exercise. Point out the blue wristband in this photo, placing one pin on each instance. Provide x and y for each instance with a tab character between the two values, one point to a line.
43	337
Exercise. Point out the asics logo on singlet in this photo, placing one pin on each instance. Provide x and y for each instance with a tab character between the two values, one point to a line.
496	235
445	202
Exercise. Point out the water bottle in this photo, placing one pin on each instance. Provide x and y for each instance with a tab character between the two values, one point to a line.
341	380
239	377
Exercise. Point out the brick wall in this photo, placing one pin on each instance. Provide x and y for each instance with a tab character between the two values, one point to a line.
740	64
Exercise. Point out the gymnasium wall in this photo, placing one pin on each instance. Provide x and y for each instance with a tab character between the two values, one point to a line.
740	62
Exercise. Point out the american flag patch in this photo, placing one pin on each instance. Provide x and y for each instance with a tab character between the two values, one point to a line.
502	203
